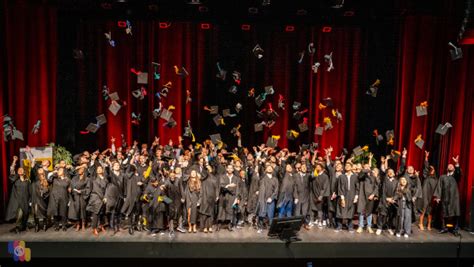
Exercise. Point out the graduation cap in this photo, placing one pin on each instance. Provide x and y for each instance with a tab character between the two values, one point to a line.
238	107
269	90
77	54
257	51
36	127
298	114
92	127
303	126
311	49
455	53
233	89
259	99
318	130
188	132
358	151
373	89
327	124
272	141
218	120
313	147
108	37
136	118
296	105
328	59
17	135
292	134
301	56
114	96
419	142
166	114
142	78
235	130
156	70
378	137
390	135
212	110
258	127
215	138
101	119
180	71
327	102
281	103
422	109
442	129
221	73
171	123
337	114
236	77
139	93
395	155
226	113
114	107
315	67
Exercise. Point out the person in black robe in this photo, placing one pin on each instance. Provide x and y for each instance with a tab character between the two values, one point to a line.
134	182
209	194
20	197
59	198
192	193
302	193
227	198
267	196
447	194
319	191
173	191
347	190
79	195
414	185
387	211
287	194
252	196
334	170
39	200
242	199
96	205
182	181
368	192
429	186
155	192
114	195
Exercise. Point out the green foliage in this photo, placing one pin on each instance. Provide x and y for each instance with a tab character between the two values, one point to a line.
364	158
60	153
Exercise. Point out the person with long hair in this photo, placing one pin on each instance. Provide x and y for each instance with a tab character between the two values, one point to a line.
39	199
192	193
97	186
429	186
404	200
18	206
79	195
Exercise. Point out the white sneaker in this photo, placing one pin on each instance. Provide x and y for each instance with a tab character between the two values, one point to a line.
320	225
405	236
259	231
379	231
324	223
390	232
398	235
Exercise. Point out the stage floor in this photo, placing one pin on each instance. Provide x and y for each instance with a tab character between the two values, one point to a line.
242	243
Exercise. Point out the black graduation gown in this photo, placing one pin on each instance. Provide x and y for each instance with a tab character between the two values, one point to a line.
288	190
209	193
347	189
252	198
39	200
416	189
268	189
157	206
243	194
227	197
302	194
59	197
319	188
114	192
78	204
19	198
367	186
174	193
448	192
388	191
429	187
133	192
332	204
96	187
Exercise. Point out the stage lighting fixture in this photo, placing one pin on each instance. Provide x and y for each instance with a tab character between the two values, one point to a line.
245	27
106	5
266	2
301	12
289	28
203	9
153	7
205	26
253	10
194	2
337	3
164	25
349	13
121	24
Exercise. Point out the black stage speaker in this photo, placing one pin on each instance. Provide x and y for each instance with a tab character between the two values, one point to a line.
286	228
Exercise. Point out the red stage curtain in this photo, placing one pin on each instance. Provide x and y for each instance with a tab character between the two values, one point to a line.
426	73
28	90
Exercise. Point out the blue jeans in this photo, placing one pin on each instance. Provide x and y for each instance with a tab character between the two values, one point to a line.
361	220
286	210
270	213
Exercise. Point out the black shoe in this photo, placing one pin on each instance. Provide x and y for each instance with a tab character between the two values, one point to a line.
64	228
17	230
456	233
130	230
444	231
37	227
45	226
231	228
56	228
218	228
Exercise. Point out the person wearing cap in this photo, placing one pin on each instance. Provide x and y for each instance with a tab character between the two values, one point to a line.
227	198
96	205
447	194
347	189
288	193
20	197
430	182
267	196
387	211
59	197
319	191
368	192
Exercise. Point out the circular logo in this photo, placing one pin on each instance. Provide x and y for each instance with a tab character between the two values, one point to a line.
19	251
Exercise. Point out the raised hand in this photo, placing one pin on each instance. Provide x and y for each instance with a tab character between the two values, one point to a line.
427	154
404	152
112	140
15	158
456	159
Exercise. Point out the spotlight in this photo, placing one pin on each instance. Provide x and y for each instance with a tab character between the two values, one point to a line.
203	9
326	29
289	28
205	26
253	10
337	3
301	12
194	2
245	27
164	25
349	13
266	2
106	5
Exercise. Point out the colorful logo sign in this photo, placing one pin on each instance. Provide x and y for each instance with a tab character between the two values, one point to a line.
19	250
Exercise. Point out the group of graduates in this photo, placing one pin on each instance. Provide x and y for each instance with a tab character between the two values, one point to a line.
162	188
